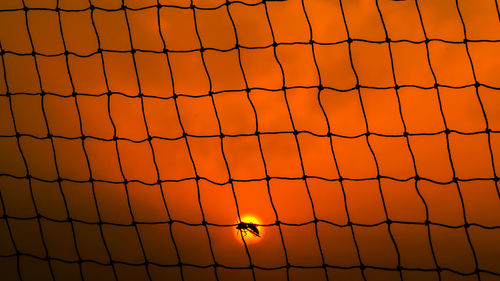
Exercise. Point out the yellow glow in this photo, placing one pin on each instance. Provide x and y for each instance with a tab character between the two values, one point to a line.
249	237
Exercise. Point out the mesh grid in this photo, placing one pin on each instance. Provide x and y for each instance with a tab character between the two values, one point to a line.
118	272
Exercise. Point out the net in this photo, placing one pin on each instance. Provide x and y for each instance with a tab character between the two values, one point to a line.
366	146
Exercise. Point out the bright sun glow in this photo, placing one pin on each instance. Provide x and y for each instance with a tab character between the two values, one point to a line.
249	237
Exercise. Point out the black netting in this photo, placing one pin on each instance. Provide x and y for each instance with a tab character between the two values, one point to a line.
14	258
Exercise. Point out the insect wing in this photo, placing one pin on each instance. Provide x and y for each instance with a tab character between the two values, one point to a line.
253	229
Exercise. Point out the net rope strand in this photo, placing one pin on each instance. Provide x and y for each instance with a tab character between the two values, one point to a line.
319	89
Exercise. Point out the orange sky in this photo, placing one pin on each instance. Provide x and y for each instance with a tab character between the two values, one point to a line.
151	125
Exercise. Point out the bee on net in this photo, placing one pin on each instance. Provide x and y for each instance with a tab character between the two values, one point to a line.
248	227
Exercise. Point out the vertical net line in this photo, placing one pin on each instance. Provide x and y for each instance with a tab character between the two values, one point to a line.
59	180
319	89
349	41
367	136
427	50
38	218
185	137
230	180
396	90
259	141
108	100
476	90
447	133
487	132
11	235
165	52
275	54
140	94
407	141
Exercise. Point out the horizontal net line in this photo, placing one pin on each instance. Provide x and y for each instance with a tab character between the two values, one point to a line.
298	132
317	221
148	263
268	178
125	7
237	47
284	88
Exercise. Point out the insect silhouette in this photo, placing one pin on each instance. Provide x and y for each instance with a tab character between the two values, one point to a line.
248	227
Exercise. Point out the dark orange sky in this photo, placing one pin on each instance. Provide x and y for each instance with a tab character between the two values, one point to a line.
135	127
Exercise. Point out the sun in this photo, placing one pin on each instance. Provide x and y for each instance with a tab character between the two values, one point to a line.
249	235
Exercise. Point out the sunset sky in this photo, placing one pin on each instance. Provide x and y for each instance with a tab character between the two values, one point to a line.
361	137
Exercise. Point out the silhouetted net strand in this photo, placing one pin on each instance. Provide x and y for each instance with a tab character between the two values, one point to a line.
175	94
